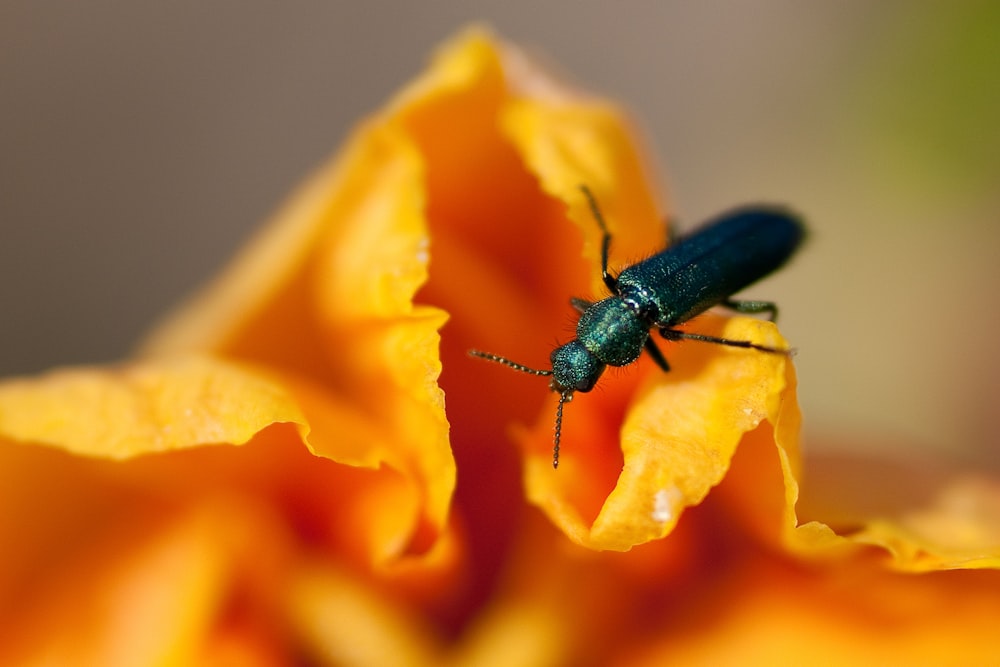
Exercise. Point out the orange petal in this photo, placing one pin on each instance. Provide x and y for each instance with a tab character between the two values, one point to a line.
560	604
768	614
159	592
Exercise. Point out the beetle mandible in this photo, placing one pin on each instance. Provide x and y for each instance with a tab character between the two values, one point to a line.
699	271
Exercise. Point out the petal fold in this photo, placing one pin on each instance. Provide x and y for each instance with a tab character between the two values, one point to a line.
922	515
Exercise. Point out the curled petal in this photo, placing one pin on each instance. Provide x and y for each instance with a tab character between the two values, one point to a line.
678	439
569	141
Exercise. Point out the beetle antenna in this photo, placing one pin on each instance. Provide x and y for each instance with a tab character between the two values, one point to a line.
489	356
564	398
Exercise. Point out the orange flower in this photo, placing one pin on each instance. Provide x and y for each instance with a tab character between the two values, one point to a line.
273	479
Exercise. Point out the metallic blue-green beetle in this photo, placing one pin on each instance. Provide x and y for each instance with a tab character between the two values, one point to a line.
701	270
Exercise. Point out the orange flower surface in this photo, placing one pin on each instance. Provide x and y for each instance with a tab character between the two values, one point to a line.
304	466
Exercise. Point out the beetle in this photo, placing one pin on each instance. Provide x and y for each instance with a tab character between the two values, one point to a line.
699	271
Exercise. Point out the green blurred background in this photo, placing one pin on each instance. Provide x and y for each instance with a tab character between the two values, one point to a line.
140	143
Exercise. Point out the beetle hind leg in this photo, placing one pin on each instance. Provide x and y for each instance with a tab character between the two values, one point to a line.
677	334
753	308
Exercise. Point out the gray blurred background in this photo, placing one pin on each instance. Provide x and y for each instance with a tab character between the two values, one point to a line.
141	143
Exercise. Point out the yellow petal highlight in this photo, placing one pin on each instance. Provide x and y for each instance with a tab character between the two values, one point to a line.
142	408
341	621
526	632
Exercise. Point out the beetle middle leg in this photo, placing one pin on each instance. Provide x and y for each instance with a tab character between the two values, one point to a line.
653	351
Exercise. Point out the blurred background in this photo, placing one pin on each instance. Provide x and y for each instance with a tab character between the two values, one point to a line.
141	143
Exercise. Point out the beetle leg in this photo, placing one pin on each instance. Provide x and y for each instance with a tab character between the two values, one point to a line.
753	307
657	355
609	280
673	236
676	334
